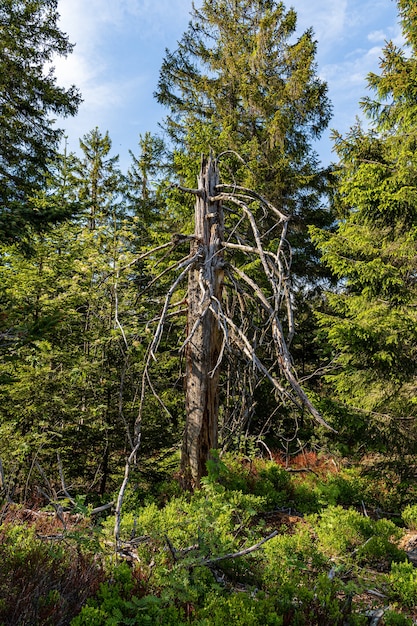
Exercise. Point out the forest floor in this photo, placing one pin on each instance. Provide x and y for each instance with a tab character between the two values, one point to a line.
333	556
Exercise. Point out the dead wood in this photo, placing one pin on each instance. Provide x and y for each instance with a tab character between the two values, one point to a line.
220	324
233	555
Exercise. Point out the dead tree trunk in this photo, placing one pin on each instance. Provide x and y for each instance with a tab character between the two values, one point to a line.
204	343
214	325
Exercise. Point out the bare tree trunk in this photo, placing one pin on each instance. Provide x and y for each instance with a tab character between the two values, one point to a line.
205	340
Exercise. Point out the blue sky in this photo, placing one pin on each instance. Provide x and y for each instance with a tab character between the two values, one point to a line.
120	45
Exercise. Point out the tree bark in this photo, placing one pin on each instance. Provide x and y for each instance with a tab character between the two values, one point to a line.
204	334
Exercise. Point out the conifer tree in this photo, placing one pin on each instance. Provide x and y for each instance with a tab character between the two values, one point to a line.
29	97
67	371
371	320
242	85
240	81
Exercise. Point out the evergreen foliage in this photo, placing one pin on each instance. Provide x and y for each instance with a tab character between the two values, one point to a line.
66	367
370	321
311	540
29	96
239	82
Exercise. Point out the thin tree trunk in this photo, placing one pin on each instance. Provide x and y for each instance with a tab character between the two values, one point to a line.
204	347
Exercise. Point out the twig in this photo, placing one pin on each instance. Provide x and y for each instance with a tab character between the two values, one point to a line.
118	511
58	508
116	309
254	196
61	475
195	192
234	555
266	447
157	336
144	255
375	617
103	507
171	549
376	593
301	469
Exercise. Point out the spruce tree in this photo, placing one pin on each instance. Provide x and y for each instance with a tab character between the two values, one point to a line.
241	81
243	85
69	330
29	99
371	320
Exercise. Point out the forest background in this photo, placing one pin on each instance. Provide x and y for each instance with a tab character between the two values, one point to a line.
315	321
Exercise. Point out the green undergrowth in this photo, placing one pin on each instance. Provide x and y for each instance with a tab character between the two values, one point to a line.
256	545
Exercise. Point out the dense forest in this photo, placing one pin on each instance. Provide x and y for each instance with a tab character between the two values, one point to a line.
208	409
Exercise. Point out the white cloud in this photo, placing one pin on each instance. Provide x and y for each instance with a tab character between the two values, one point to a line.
97	27
377	36
328	19
119	44
85	21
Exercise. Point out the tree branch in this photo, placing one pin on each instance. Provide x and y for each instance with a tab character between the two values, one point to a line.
234	555
118	512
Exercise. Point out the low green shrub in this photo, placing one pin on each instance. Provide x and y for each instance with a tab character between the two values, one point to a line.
403	583
306	498
274	484
392	618
42	582
380	550
347	534
116	603
350	487
212	522
257	477
238	609
290	560
409	516
340	531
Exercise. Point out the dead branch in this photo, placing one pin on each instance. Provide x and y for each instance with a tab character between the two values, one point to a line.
234	555
120	404
375	616
118	511
102	508
171	549
254	196
172	267
61	475
245	346
144	255
153	346
195	192
243	248
57	507
169	315
320	371
157	336
266	447
297	470
116	309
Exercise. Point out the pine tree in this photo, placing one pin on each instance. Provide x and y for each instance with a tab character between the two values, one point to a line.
29	97
371	320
